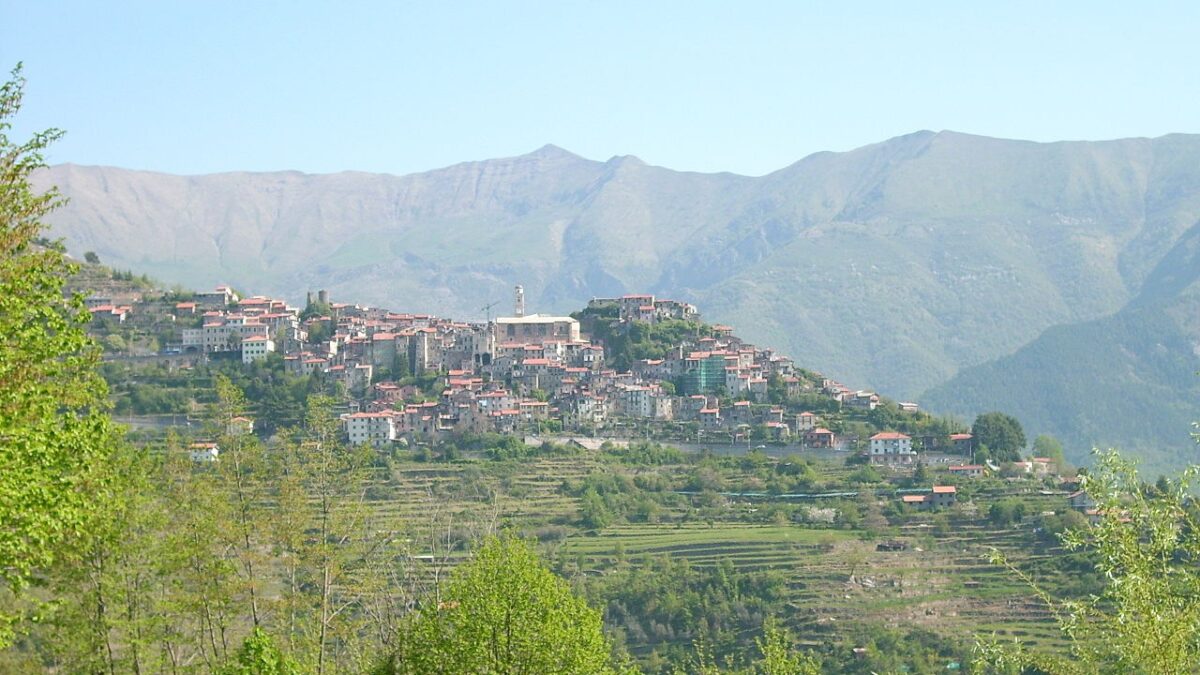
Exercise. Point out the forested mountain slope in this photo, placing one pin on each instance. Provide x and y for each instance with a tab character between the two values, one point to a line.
1127	380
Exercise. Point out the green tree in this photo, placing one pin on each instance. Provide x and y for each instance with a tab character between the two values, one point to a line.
319	331
1147	618
593	512
1050	447
503	612
55	433
91	258
400	369
259	655
115	343
203	582
241	478
1002	434
921	476
316	308
337	544
778	656
1006	513
107	613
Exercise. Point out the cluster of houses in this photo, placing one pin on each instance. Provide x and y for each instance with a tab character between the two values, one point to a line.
254	326
102	308
516	374
513	373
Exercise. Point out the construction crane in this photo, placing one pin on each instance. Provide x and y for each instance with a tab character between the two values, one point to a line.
488	308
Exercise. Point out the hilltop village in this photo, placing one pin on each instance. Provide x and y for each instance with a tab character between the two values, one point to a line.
634	366
632	436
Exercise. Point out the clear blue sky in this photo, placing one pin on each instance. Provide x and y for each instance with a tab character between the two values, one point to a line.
205	85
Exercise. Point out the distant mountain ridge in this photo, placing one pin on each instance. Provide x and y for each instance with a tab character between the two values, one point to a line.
893	266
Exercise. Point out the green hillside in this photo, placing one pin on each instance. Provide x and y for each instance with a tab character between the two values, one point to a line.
1129	380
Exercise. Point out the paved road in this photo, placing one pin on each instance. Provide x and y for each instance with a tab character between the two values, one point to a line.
717	448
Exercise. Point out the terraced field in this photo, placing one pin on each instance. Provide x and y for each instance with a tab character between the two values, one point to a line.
836	577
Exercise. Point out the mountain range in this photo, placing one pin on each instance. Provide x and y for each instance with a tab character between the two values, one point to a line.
1056	281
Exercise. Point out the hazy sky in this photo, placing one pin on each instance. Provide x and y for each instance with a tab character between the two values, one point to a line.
203	86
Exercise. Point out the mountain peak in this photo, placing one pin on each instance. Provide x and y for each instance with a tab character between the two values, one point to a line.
551	150
625	160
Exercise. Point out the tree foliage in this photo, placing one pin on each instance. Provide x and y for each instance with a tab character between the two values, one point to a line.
55	435
1147	617
1050	447
1002	434
625	343
778	655
259	655
504	612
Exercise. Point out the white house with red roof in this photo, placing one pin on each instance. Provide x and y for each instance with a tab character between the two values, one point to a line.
204	451
373	428
256	348
892	447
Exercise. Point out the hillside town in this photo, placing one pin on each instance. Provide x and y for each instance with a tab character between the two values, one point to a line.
408	378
